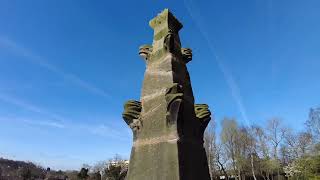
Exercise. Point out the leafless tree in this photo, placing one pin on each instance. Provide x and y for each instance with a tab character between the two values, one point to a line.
262	150
304	143
222	160
231	143
100	167
313	123
276	134
210	146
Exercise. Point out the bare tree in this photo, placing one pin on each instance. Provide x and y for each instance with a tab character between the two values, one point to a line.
304	143
99	167
276	134
210	146
117	168
228	138
222	160
313	123
296	144
252	142
263	151
289	151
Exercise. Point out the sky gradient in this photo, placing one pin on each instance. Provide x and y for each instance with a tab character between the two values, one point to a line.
67	67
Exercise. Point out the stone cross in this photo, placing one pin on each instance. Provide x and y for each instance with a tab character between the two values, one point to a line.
167	126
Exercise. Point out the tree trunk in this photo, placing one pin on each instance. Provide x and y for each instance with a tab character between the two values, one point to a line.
239	174
264	178
223	170
209	163
252	168
268	175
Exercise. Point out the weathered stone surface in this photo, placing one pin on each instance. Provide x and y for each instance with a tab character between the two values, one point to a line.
186	54
168	127
145	51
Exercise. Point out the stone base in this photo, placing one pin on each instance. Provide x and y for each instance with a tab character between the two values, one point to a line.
168	161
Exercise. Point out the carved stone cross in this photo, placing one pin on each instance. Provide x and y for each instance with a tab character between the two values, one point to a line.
167	126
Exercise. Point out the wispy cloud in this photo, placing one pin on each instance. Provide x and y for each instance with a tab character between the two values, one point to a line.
54	120
33	122
108	131
44	63
234	88
49	123
30	107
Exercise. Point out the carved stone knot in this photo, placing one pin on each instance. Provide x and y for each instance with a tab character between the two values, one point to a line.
145	51
186	54
203	114
174	97
131	114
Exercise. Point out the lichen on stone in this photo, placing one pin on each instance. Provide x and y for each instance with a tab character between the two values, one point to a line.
131	114
202	112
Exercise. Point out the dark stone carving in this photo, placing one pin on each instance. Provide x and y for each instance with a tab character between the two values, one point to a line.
174	97
186	54
131	114
145	51
169	44
203	114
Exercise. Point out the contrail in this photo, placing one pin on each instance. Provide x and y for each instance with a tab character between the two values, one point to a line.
20	50
235	91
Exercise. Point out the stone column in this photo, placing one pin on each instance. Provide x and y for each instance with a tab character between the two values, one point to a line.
167	126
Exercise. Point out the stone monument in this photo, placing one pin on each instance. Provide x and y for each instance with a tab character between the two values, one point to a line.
167	126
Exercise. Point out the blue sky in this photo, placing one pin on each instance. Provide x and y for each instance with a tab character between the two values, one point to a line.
66	67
